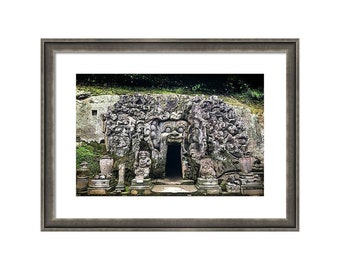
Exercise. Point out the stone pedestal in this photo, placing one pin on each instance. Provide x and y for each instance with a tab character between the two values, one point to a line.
82	184
208	186
99	187
140	186
250	186
121	178
252	189
246	178
233	188
82	179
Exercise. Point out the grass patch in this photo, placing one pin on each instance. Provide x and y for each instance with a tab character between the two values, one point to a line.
98	90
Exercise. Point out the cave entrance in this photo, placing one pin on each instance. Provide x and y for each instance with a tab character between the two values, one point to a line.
173	168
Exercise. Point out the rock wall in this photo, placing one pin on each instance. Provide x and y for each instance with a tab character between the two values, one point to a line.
205	126
89	111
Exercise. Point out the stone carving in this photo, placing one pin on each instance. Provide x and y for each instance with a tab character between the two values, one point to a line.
101	184
106	164
82	179
172	131
213	137
121	172
207	182
121	177
196	139
233	185
246	164
84	170
142	165
206	169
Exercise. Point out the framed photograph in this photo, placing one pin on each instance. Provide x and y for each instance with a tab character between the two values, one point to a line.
169	134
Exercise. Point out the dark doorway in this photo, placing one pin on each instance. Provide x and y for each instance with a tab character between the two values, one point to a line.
173	168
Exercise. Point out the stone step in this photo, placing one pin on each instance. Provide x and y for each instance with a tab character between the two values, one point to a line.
174	189
169	181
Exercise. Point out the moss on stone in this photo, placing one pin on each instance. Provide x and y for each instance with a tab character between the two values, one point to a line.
251	99
91	153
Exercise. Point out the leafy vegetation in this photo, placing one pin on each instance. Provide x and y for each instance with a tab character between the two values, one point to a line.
247	87
91	153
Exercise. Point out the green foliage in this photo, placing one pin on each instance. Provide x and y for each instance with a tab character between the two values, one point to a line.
246	89
255	94
223	84
196	87
223	185
97	90
91	153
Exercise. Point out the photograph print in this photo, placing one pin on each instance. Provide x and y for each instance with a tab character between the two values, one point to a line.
170	134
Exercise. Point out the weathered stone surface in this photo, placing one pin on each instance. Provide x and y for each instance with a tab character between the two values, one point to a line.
207	168
142	165
252	189
121	177
100	183
82	179
82	184
106	165
172	181
82	95
97	191
141	187
246	164
83	171
184	189
233	188
255	132
89	124
208	186
206	127
213	138
99	187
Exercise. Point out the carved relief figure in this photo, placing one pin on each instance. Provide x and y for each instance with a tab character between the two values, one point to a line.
206	127
119	140
206	168
142	164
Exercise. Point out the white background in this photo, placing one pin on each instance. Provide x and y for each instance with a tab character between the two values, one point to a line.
22	244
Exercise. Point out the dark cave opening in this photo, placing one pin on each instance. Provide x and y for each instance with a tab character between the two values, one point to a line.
173	168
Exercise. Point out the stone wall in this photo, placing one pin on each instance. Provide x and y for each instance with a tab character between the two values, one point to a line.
204	126
89	111
89	125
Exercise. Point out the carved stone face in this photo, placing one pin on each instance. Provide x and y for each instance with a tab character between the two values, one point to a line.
205	127
194	153
143	155
173	130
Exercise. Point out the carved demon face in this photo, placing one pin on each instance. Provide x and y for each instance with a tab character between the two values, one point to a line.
173	130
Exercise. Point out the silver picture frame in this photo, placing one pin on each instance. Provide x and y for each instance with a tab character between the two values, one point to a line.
49	48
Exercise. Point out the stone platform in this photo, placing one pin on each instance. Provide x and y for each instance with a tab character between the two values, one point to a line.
174	189
173	186
173	181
